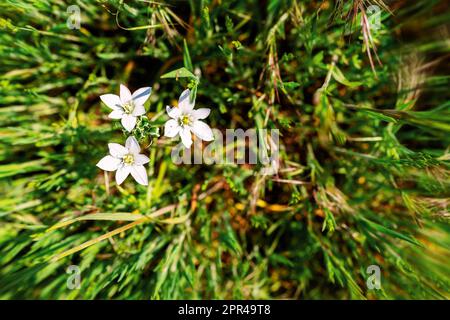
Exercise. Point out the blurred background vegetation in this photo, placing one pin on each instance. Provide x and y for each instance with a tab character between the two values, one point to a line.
363	115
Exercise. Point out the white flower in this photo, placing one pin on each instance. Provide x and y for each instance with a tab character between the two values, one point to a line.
126	160
128	106
184	120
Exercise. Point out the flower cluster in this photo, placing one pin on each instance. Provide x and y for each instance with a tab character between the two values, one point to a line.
129	109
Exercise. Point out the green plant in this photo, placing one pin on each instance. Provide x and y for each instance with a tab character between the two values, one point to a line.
363	177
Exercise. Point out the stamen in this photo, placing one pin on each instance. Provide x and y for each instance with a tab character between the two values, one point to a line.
185	120
128	159
128	107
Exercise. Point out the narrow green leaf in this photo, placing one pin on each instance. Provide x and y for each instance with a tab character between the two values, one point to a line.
339	77
179	73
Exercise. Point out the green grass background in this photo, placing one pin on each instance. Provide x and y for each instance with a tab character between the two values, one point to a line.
364	151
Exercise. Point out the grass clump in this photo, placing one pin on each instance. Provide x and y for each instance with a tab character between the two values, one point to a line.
363	115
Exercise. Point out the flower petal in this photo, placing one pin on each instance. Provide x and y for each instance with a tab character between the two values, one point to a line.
116	114
125	94
184	102
171	128
202	130
141	159
139	110
117	150
133	145
128	121
139	174
174	113
112	101
186	137
109	163
201	113
122	173
141	95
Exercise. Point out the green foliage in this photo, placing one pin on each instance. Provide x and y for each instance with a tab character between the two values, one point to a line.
363	177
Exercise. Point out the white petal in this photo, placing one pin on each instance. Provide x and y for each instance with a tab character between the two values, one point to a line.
139	110
125	94
139	174
171	128
201	113
117	150
174	113
141	95
184	102
116	114
133	145
186	137
109	163
140	159
202	130
122	173
112	101
128	121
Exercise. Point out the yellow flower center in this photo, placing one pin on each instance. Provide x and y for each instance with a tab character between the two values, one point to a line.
128	159
128	107
185	120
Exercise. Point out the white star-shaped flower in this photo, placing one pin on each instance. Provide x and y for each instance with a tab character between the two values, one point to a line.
126	160
184	120
127	106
